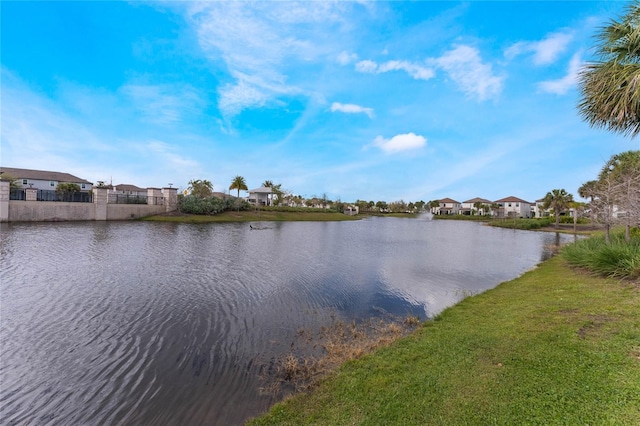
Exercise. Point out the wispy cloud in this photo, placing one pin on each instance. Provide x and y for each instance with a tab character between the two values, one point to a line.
163	104
466	69
545	51
256	42
351	109
399	143
563	85
417	71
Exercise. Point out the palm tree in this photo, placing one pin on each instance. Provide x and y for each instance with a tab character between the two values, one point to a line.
610	87
433	205
238	183
587	190
495	208
200	188
558	200
478	206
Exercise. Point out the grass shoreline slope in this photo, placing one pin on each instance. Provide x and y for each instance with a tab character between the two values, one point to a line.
554	346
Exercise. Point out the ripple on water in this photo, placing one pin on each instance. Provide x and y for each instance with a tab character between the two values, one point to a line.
145	323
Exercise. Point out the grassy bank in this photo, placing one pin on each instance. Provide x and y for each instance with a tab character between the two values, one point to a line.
253	216
551	347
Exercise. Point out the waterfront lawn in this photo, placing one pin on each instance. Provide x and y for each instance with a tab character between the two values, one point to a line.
555	346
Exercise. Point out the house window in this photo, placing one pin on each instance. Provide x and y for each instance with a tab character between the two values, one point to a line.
509	204
25	181
52	183
83	186
517	204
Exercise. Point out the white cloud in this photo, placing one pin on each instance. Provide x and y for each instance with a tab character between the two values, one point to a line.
346	58
402	142
562	86
416	71
351	109
544	51
465	67
366	66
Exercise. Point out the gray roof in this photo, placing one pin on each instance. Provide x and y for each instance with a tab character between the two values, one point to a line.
41	175
128	187
262	190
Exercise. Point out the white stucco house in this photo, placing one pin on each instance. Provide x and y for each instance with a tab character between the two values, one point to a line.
468	207
538	209
43	179
261	196
514	207
448	206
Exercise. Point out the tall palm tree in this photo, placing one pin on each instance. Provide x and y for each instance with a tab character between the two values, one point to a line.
610	87
238	183
558	200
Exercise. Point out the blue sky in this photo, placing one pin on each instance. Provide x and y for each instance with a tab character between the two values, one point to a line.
355	100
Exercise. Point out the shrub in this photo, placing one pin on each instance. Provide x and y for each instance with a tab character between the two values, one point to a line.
569	219
525	224
620	259
194	204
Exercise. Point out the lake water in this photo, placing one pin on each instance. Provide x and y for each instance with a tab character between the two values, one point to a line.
134	323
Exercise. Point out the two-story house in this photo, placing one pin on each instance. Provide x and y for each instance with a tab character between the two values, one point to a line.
42	179
448	206
469	207
514	207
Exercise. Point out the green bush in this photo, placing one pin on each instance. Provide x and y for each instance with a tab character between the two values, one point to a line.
210	205
569	219
620	259
526	224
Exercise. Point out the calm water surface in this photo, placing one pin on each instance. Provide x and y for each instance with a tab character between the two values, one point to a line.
171	324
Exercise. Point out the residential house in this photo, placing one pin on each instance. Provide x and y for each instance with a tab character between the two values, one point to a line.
42	179
127	189
468	207
538	209
448	206
514	207
260	196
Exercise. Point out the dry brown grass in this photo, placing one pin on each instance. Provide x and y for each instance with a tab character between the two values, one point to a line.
314	355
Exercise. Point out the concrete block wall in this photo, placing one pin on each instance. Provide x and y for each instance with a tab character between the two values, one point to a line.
48	211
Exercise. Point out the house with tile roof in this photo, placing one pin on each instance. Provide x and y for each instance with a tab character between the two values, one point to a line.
448	206
514	207
468	207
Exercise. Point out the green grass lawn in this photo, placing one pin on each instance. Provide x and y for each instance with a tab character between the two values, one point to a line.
552	347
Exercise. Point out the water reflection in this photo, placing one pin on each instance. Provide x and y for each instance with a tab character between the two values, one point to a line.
148	323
